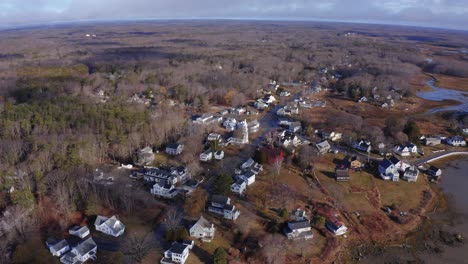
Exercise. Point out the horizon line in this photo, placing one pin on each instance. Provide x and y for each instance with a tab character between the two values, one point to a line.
129	20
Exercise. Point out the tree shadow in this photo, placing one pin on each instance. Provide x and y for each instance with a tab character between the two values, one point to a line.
202	254
329	174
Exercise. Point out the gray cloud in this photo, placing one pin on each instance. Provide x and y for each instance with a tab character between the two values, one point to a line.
438	13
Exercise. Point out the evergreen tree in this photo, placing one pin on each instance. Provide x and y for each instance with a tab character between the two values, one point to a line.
219	256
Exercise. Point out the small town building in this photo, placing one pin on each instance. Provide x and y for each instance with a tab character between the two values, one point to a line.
336	227
206	156
411	174
434	172
145	156
79	231
222	205
82	252
323	147
110	226
431	141
178	253
219	155
298	230
456	141
405	150
239	186
164	189
174	149
342	173
298	215
203	230
57	247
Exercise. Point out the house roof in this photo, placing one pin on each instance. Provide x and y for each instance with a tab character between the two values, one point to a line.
113	223
385	163
323	145
56	244
394	160
298	224
178	248
341	173
86	246
334	224
173	146
203	222
81	230
433	168
219	199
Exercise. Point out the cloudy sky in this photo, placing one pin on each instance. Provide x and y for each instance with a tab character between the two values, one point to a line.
434	13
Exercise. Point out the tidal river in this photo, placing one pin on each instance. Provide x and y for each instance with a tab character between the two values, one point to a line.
441	94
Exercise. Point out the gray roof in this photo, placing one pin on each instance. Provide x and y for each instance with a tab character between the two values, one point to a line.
219	199
57	244
178	248
203	222
298	224
86	246
385	163
81	230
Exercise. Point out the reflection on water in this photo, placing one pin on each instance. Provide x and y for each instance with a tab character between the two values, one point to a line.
440	94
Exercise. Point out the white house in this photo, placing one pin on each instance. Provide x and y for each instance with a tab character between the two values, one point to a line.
174	149
178	253
297	230
111	226
405	150
84	251
79	231
363	146
254	126
219	155
295	127
433	171
298	215
269	99
336	227
57	247
206	156
323	147
204	119
239	186
222	205
164	189
432	141
213	137
248	177
456	141
400	165
411	174
230	124
203	230
387	170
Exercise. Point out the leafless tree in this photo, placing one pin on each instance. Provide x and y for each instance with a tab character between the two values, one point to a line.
273	249
137	246
172	218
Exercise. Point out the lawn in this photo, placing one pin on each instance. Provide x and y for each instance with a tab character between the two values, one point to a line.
404	194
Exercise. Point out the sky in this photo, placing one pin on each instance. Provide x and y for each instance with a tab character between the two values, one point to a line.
431	13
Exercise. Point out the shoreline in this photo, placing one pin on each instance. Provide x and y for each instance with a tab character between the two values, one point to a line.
428	229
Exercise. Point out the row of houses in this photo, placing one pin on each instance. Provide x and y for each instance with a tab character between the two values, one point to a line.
455	141
299	228
71	251
393	169
245	176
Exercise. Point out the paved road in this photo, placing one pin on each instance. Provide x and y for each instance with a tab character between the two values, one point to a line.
439	155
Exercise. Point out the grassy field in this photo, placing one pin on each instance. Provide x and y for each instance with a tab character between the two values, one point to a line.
404	194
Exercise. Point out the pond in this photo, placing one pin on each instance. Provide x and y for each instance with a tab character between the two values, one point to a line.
441	94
